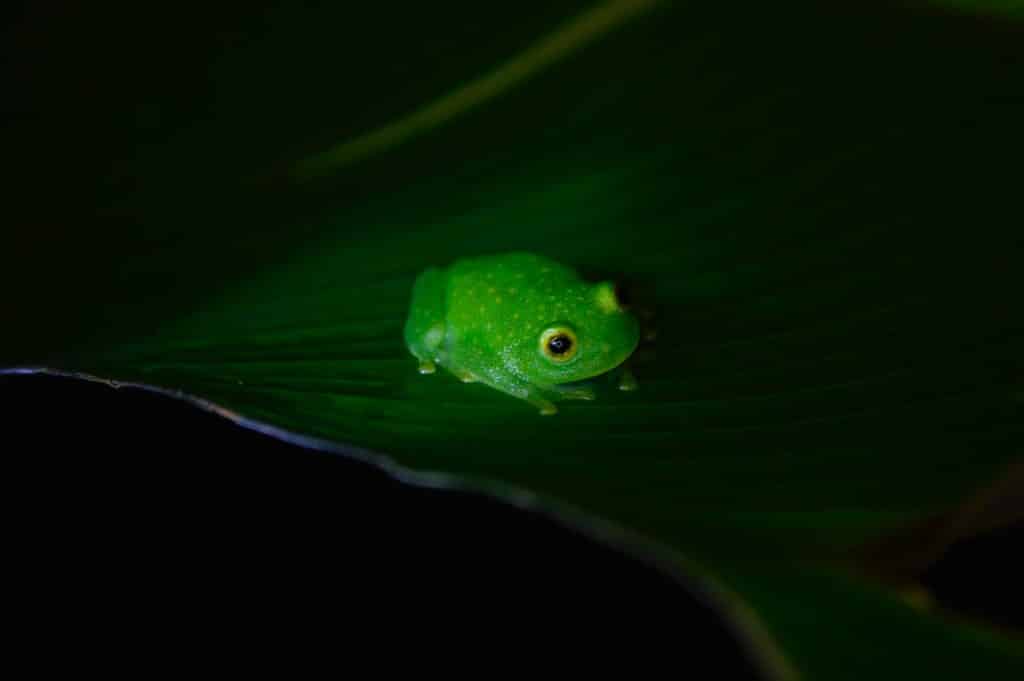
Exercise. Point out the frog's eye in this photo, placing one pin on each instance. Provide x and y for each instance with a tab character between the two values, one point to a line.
559	344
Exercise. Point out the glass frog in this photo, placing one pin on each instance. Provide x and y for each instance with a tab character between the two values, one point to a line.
522	324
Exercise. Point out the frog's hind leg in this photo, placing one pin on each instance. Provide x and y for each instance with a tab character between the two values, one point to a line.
428	348
425	328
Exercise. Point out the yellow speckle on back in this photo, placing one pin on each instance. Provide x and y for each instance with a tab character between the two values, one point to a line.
498	300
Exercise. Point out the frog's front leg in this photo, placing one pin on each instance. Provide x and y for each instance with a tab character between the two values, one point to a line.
544	406
535	396
511	384
575	392
627	381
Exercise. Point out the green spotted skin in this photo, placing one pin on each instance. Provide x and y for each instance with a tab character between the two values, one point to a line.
522	324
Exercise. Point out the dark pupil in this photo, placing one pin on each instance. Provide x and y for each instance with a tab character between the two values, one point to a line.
559	345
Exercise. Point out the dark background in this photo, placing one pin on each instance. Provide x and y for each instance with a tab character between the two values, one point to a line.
148	510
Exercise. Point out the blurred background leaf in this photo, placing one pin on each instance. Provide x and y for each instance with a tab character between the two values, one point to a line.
820	201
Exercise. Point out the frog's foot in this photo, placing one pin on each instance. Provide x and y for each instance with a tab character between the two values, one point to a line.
466	377
576	392
627	381
512	385
546	408
544	405
427	367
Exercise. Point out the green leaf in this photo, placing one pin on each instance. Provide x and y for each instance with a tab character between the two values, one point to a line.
820	203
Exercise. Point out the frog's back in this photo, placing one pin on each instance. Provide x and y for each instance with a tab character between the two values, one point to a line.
494	302
486	291
516	274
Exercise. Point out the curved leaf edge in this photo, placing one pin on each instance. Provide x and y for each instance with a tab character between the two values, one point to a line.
739	618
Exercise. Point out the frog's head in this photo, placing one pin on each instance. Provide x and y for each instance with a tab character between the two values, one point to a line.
593	335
